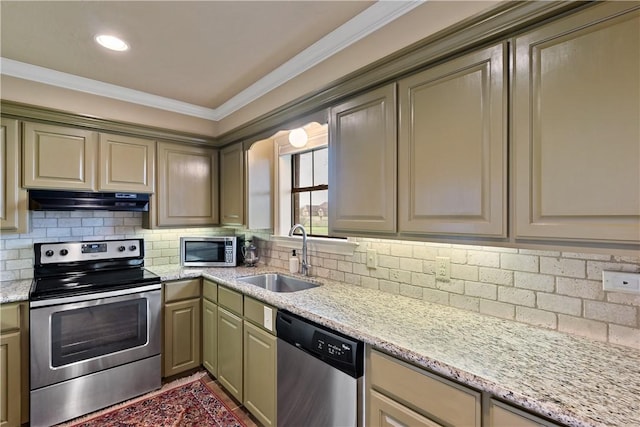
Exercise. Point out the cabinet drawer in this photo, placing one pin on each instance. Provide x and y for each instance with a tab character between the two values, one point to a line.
9	317
260	314
444	401
210	290
384	412
182	289
230	299
504	415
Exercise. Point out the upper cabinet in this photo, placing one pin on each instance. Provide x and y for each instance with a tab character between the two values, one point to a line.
126	163
13	199
576	127
260	185
187	186
452	147
59	157
362	164
232	176
66	158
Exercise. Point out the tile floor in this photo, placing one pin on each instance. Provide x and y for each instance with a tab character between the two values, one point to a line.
231	403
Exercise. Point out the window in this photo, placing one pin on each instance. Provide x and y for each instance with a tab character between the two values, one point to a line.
309	191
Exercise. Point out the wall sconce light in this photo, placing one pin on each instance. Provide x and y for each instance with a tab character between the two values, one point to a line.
298	138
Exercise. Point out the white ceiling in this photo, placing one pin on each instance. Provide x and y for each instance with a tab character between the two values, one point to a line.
201	58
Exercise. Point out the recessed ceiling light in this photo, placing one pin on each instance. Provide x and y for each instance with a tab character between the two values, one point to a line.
112	42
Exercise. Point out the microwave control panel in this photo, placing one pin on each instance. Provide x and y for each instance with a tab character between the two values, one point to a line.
228	251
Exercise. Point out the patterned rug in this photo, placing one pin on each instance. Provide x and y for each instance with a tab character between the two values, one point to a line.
183	403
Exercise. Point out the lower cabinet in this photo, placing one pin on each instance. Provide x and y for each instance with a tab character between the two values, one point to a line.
386	412
260	363
210	327
230	352
14	365
182	321
500	414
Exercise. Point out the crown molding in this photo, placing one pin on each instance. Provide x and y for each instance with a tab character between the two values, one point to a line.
363	24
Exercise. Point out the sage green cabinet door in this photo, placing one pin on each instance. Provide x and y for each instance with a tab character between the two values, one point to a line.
181	336
502	415
210	336
452	147
362	164
126	164
187	186
232	185
576	109
13	198
59	157
10	379
260	374
230	352
385	412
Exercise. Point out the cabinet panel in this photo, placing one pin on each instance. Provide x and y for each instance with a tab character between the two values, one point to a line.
260	374
230	300
385	412
576	132
452	147
362	163
232	185
503	415
210	336
210	290
230	352
187	192
13	198
10	372
260	185
260	314
181	289
58	157
126	164
182	336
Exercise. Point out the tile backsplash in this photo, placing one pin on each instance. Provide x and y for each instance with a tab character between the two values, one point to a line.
549	289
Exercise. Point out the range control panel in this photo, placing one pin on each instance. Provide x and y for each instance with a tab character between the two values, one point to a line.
332	347
68	252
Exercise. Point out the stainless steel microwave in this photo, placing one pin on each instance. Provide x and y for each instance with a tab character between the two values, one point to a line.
215	251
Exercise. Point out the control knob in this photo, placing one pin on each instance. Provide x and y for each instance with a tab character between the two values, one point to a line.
63	252
121	248
49	253
133	247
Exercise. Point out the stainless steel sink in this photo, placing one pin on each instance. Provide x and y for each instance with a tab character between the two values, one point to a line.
278	283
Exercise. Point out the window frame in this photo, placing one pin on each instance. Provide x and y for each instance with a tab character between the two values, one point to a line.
295	189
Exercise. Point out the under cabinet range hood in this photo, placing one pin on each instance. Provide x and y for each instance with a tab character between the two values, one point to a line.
49	200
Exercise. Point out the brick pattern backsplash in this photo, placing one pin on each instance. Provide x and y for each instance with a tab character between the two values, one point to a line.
548	289
161	246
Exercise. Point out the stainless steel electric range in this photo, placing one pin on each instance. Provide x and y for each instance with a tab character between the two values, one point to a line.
94	328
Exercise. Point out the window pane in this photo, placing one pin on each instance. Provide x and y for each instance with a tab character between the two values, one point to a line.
319	213
301	208
321	167
305	172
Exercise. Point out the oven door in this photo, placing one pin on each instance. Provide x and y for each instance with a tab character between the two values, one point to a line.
69	340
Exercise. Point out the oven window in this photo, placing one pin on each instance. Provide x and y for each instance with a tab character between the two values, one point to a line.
204	251
89	332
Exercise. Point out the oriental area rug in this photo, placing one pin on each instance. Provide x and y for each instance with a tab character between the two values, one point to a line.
188	402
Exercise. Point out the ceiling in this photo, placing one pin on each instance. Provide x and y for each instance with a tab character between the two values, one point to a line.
202	58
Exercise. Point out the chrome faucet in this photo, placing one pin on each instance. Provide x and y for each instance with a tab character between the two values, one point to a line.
305	264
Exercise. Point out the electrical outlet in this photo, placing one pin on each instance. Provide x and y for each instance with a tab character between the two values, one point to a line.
268	318
443	268
372	258
621	282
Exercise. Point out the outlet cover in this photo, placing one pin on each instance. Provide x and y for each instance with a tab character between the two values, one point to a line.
372	258
443	268
621	282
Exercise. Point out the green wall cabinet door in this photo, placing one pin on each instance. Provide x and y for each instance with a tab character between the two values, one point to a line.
230	352
210	336
260	373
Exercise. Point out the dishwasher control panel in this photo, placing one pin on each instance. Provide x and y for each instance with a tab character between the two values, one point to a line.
332	347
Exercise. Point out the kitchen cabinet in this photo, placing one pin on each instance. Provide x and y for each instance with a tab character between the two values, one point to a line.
575	126
260	185
187	186
126	164
260	363
210	326
14	364
362	164
182	321
232	160
500	414
58	157
13	199
401	394
230	341
452	147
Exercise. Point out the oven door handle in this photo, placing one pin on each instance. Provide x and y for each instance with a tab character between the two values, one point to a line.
92	296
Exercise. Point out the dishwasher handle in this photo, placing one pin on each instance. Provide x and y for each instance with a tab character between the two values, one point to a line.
336	349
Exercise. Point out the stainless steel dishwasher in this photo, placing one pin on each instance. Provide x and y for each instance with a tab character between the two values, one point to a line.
319	375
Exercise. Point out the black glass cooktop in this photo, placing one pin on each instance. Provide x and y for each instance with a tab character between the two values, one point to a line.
90	282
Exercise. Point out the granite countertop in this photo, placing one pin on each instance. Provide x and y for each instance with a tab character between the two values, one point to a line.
570	379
